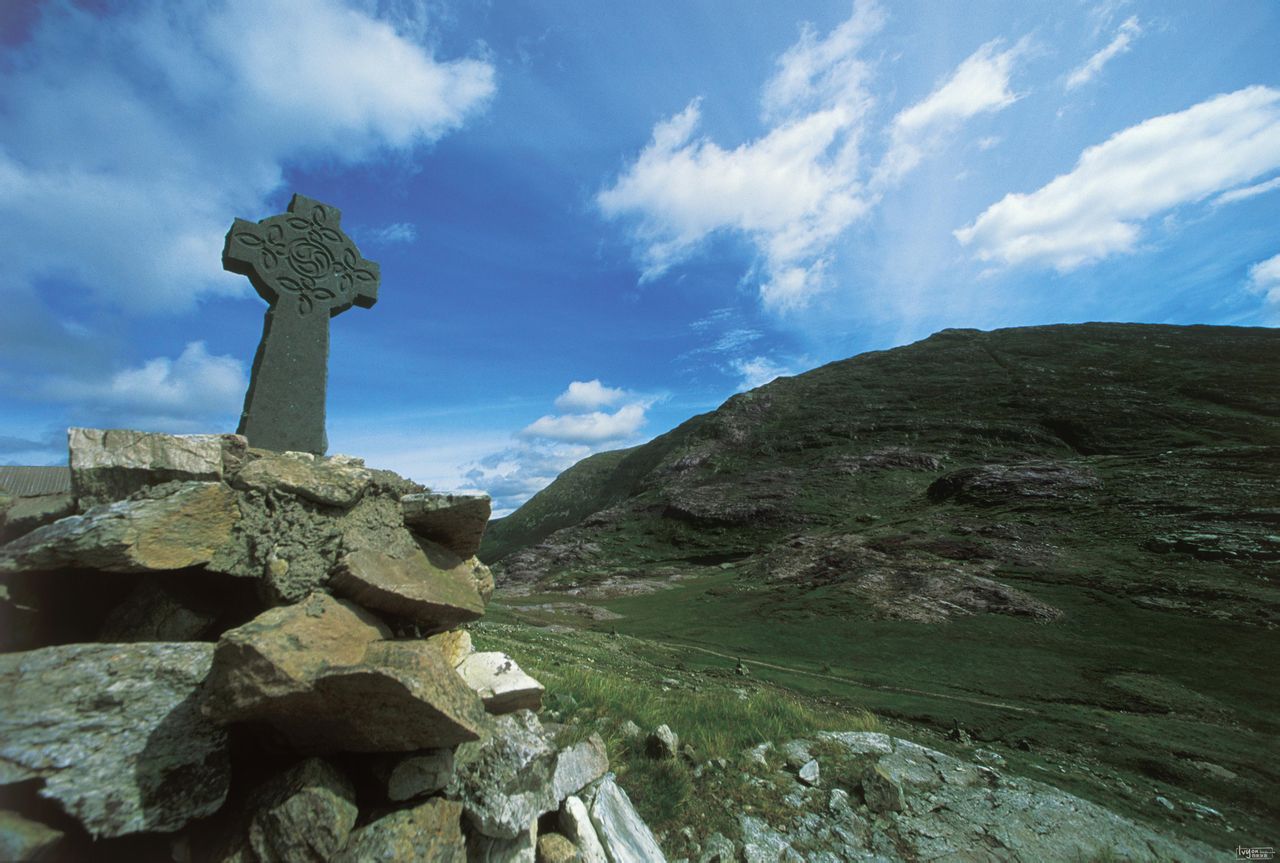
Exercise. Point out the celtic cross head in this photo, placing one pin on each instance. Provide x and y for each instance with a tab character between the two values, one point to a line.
302	260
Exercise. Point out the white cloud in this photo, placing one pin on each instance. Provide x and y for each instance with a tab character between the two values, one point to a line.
132	138
817	73
792	191
513	475
1089	70
588	395
1247	192
979	85
389	235
1096	210
758	371
1264	279
589	428
163	394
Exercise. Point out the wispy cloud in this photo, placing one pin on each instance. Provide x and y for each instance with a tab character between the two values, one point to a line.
1247	192
1097	209
390	235
131	137
1121	43
758	371
979	85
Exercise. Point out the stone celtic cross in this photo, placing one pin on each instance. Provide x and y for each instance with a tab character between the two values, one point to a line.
302	264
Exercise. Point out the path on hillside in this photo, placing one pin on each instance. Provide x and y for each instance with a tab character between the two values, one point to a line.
879	686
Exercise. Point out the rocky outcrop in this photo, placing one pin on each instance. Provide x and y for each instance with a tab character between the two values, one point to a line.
995	484
897	582
898	800
340	667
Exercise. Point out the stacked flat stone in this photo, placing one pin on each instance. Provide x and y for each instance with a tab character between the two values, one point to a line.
201	595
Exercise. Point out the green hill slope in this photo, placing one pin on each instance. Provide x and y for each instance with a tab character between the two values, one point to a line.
1066	539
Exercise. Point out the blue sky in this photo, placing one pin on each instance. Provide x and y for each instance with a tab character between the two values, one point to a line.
595	220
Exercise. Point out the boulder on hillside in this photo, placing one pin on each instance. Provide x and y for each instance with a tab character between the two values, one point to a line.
575	823
994	484
456	521
172	526
620	829
500	683
319	672
115	732
111	464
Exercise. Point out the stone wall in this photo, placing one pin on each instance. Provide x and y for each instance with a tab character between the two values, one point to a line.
214	652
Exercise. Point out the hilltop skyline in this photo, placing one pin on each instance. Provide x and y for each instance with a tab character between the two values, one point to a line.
593	222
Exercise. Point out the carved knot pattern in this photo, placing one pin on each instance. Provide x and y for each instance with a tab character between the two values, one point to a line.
302	254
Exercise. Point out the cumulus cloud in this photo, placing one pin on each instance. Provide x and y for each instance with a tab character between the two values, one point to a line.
1089	70
588	395
793	191
181	394
1264	280
553	443
589	428
131	137
1097	209
979	85
513	475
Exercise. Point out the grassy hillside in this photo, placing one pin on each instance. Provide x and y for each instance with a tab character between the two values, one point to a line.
1065	539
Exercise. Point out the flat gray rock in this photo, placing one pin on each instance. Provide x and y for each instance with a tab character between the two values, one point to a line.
116	733
500	683
456	521
111	464
182	525
413	587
